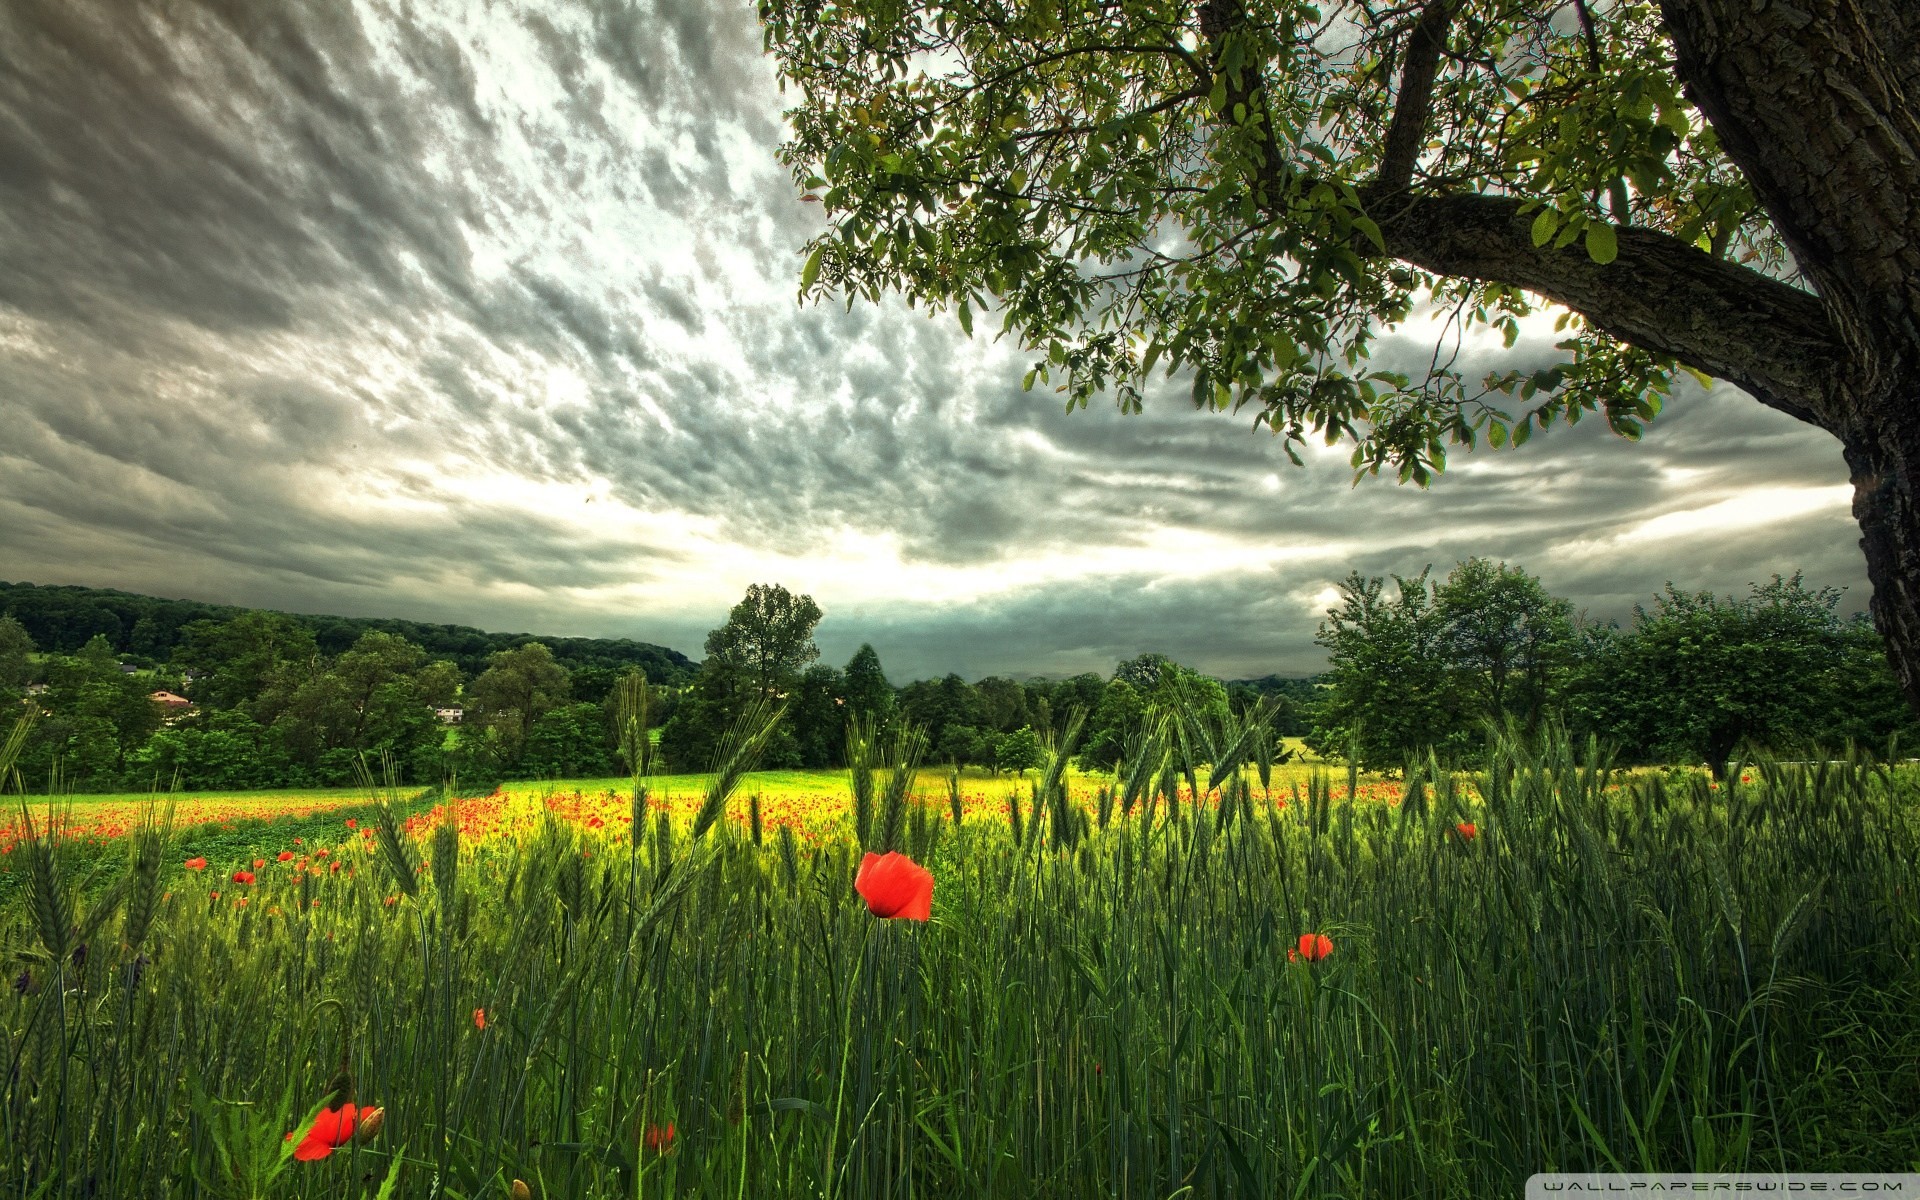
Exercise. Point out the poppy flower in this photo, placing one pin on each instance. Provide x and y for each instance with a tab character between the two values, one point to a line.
330	1130
659	1138
1314	946
894	885
479	1018
352	823
1467	830
258	863
243	876
286	856
196	864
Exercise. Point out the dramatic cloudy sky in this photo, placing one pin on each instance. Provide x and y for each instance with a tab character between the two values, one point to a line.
486	313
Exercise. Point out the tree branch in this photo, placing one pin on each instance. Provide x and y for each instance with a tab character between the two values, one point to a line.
1660	294
1408	130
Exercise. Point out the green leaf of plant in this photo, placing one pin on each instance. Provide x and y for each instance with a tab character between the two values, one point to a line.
1544	225
1603	245
811	271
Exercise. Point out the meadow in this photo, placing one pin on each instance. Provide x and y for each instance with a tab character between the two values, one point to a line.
1324	986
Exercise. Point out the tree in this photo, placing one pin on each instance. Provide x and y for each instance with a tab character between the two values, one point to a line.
817	714
569	741
1698	675
767	640
16	663
1392	692
1503	632
1019	751
867	688
516	688
237	661
1247	191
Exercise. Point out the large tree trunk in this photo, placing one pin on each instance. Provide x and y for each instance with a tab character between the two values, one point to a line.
1819	104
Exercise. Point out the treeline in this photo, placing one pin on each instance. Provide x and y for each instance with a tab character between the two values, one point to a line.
278	701
269	707
1692	678
766	648
147	630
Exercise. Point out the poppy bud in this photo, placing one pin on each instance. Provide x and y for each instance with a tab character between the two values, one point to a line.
371	1119
520	1190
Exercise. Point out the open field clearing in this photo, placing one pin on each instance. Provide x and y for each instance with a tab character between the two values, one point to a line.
811	798
1434	996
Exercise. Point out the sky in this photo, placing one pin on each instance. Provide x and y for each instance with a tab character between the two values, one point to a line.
487	313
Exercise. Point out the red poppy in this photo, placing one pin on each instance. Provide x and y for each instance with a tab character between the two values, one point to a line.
286	856
258	863
479	1018
330	1130
196	864
243	876
352	823
1467	830
1315	946
894	885
659	1138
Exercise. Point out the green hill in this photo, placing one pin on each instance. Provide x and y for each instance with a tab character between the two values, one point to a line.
61	619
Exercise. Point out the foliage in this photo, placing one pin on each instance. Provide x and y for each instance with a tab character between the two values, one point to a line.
62	618
767	640
1139	185
1698	676
1392	694
1020	751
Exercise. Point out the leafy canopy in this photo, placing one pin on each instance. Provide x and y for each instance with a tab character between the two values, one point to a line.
1140	184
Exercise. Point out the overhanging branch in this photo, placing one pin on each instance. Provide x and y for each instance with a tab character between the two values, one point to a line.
1659	294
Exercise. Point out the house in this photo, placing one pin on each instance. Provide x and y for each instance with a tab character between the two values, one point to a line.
36	689
129	669
449	716
171	702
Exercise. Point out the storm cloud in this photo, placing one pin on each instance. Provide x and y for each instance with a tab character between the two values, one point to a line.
487	314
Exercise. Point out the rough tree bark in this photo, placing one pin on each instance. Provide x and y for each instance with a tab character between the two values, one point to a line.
1818	102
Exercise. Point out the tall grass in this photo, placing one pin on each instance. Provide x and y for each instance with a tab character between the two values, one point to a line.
1609	972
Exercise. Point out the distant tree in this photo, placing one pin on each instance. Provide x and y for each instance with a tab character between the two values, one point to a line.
1121	710
1503	633
569	741
1143	671
966	745
593	685
934	704
1698	675
237	661
16	667
1002	704
867	689
817	714
1020	751
377	697
518	686
98	715
767	639
211	748
1393	691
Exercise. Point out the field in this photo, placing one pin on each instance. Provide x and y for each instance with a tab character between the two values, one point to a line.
1434	989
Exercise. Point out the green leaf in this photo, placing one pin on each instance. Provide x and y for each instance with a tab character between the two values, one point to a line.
966	318
1365	225
1603	245
811	271
1544	225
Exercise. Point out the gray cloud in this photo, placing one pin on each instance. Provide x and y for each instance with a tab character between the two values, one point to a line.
404	310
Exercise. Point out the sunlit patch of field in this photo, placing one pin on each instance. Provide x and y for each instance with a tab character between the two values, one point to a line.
812	801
